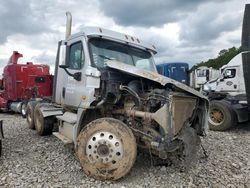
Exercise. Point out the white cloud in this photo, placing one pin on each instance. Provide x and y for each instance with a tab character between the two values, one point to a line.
198	32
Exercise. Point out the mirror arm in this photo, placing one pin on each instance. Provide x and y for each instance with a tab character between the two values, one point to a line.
65	69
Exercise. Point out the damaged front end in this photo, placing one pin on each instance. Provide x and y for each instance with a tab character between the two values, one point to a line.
164	115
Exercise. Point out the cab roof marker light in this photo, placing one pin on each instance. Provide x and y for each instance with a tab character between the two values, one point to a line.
126	37
100	29
132	38
138	40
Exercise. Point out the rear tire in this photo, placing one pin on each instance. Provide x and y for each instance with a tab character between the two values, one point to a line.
30	114
44	126
24	109
221	116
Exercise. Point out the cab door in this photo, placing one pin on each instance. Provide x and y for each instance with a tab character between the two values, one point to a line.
75	89
230	80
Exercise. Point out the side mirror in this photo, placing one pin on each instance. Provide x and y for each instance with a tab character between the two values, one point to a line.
77	76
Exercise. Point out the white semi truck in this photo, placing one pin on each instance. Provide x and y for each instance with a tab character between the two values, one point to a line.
227	94
108	99
231	79
230	94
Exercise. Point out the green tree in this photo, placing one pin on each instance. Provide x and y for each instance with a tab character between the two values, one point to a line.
223	58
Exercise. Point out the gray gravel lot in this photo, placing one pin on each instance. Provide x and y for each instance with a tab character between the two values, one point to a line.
32	161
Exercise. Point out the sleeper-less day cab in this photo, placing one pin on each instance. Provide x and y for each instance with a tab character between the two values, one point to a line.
108	99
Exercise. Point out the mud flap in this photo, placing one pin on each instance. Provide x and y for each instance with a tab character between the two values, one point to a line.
191	143
1	129
1	136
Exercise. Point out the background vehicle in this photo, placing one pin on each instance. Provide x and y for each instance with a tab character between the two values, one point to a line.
22	82
199	76
229	94
231	80
108	99
176	70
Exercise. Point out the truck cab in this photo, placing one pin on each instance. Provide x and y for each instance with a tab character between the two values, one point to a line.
231	80
88	54
201	75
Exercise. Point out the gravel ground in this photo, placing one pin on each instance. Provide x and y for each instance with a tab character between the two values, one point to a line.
32	161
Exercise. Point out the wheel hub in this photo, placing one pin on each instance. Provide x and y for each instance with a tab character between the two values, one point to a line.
104	147
103	150
216	116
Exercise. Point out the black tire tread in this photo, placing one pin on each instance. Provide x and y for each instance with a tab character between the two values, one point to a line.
30	109
47	122
230	116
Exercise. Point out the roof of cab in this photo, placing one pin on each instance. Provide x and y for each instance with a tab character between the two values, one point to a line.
105	33
236	60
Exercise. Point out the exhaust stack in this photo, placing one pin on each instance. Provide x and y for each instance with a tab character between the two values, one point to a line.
245	36
68	25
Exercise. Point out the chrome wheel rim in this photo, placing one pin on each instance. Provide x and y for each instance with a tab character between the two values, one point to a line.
104	147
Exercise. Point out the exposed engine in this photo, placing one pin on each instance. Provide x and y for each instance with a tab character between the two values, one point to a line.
157	115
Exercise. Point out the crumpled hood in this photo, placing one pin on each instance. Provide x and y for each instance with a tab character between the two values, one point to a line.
132	70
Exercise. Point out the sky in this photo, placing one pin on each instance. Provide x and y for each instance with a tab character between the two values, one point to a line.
182	30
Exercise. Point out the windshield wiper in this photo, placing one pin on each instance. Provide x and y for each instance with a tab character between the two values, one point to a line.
104	57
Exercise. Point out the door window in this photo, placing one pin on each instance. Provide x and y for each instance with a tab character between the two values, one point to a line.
229	73
201	73
76	56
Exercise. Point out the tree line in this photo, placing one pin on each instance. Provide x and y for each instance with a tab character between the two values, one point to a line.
223	58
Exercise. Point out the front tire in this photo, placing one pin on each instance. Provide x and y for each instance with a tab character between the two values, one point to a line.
221	116
44	125
106	149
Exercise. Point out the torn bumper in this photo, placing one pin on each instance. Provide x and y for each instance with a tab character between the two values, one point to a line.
174	116
171	117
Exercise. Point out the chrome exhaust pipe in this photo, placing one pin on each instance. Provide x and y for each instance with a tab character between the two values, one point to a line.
68	25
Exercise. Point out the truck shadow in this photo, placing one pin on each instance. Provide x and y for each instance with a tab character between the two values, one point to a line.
241	127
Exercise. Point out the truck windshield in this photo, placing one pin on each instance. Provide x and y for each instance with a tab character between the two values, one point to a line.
201	73
103	50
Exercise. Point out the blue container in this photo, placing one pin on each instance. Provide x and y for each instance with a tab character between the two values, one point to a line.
176	70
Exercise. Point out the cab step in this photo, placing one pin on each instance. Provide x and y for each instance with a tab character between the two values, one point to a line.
63	138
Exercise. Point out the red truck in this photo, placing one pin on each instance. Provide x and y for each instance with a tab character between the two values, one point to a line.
23	82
